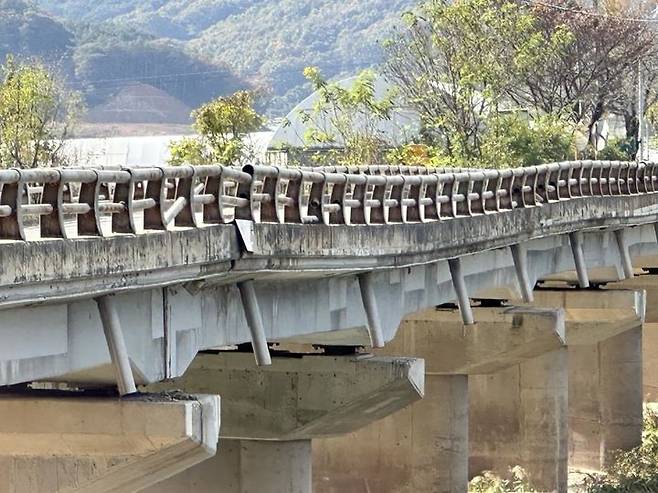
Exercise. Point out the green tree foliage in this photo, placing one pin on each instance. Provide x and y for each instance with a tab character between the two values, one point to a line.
222	125
635	471
489	482
346	119
36	112
459	63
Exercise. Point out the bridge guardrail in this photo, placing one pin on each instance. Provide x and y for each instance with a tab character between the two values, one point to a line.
93	202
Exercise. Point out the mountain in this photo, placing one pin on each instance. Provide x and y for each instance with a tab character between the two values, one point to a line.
266	42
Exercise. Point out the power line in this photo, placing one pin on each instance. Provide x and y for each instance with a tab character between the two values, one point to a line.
589	13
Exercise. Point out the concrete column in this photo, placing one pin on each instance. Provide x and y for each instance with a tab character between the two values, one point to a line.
424	448
247	466
605	399
648	283
518	416
604	333
60	442
421	448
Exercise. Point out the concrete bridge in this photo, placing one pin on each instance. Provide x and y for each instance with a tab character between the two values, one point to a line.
170	278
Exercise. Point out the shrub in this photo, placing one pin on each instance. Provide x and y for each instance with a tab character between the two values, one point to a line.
489	482
635	471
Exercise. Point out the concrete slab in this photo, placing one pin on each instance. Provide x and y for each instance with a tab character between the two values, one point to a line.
59	443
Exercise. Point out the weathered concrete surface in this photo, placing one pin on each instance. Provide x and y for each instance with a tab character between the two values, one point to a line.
317	300
302	396
604	334
648	283
68	268
604	389
78	444
519	417
247	466
424	448
605	399
502	337
595	315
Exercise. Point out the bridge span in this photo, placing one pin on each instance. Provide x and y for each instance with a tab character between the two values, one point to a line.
164	277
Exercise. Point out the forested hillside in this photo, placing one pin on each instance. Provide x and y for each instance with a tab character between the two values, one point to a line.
101	59
266	42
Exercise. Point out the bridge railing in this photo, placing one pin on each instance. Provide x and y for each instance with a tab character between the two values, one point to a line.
69	203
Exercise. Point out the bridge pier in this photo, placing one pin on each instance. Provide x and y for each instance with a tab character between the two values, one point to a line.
53	441
601	371
425	447
247	466
649	283
518	417
271	413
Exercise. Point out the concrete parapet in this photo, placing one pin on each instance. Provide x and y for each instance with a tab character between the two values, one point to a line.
81	444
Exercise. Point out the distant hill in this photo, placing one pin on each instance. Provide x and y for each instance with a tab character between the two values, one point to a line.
266	42
102	59
141	103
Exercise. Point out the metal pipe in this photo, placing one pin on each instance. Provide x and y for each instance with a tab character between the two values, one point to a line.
579	259
255	323
460	290
372	313
520	257
624	255
116	344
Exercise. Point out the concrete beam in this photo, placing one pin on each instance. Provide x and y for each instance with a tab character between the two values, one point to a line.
595	315
502	337
58	443
302	396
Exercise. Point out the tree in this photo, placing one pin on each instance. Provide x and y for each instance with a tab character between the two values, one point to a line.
36	113
221	125
346	119
596	72
459	62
